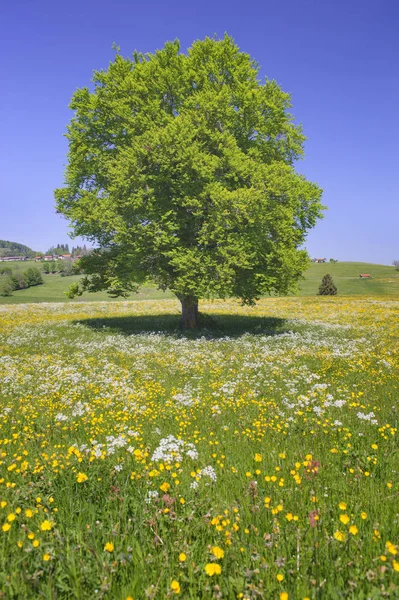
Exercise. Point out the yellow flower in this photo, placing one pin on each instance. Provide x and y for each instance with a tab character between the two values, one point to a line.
213	569
6	527
339	536
217	552
3	504
353	530
46	526
29	513
46	557
344	519
395	565
35	543
258	458
182	557
280	577
283	596
363	515
383	557
175	586
165	487
11	517
342	506
391	548
109	547
81	477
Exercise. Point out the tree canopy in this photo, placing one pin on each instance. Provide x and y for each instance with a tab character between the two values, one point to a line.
181	169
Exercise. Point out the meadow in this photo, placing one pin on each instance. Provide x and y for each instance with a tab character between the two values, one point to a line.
255	458
384	283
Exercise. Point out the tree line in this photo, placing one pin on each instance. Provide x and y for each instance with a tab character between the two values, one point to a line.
11	281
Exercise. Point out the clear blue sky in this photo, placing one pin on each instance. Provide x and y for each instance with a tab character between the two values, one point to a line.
338	58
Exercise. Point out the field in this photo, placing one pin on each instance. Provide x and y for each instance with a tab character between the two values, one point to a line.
256	459
384	283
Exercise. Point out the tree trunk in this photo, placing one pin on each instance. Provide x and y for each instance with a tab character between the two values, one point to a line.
189	312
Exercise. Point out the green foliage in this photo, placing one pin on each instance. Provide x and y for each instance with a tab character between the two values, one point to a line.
58	250
327	286
14	249
181	169
6	286
19	281
33	276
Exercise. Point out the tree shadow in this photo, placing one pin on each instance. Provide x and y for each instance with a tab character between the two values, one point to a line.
215	326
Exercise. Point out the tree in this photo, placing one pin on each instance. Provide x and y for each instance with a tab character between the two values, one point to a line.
396	264
181	169
46	268
33	276
327	286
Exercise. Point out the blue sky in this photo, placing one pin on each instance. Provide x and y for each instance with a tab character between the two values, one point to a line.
338	58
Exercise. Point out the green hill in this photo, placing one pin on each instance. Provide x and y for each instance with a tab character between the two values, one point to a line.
384	283
14	249
384	280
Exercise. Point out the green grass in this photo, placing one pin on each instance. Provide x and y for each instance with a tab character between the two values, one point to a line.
280	479
384	279
384	282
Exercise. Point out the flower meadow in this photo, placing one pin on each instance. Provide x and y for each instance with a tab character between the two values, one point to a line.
257	458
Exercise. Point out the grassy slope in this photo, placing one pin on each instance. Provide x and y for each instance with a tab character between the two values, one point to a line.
384	282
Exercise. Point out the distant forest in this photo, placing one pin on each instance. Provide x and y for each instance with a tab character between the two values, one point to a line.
15	249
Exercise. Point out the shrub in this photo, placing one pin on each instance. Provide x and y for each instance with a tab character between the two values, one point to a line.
327	286
19	281
33	276
6	286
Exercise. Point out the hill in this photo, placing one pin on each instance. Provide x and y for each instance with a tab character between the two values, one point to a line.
14	249
384	283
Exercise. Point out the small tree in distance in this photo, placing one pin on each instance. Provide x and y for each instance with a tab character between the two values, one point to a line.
396	264
180	169
327	286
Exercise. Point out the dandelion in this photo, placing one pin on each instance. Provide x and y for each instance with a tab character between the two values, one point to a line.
109	547
165	487
81	477
344	519
6	527
280	577
35	543
217	552
284	596
46	557
182	557
46	525
342	506
395	565
353	530
258	458
213	569
339	536
175	586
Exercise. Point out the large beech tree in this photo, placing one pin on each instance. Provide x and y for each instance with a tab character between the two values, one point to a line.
180	169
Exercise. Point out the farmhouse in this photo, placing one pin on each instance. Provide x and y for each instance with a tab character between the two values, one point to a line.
319	260
5	258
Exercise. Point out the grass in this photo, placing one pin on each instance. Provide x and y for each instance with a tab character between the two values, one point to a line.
255	458
384	282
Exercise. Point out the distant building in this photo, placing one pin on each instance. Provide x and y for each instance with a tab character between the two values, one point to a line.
6	258
365	276
65	257
319	260
49	257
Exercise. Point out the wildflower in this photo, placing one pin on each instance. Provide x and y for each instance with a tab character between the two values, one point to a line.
81	477
6	527
182	557
35	543
11	517
29	513
175	586
392	549
339	536
3	504
258	458
395	565
217	552
46	525
165	487
283	596
363	515
280	577
342	506
213	569
109	547
353	530
344	519
46	557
